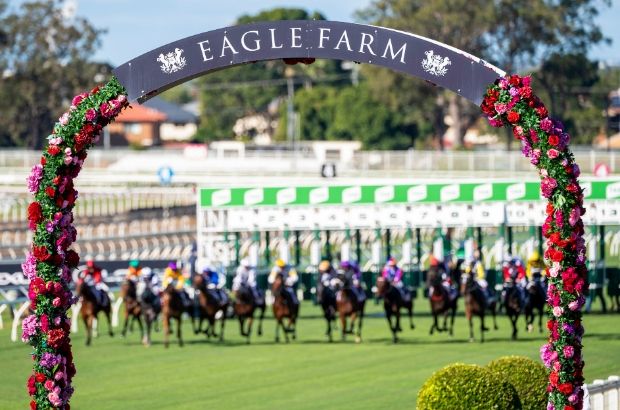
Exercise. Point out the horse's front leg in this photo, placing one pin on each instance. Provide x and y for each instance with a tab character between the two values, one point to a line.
343	326
88	324
179	332
107	316
222	323
124	331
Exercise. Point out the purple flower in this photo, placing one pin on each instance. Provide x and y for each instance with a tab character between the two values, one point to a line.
546	124
513	92
575	213
546	354
34	179
526	148
49	226
29	327
49	360
547	185
576	170
29	267
550	406
574	305
568	328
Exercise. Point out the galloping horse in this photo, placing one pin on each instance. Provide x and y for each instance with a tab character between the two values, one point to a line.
441	303
282	310
513	306
348	305
476	304
172	308
91	308
328	304
133	309
209	306
150	308
536	301
392	303
244	307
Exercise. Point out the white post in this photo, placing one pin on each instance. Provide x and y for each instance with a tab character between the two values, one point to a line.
315	252
345	251
75	311
115	310
406	258
284	251
16	319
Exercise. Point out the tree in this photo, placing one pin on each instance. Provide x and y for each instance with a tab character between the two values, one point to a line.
508	33
45	60
229	94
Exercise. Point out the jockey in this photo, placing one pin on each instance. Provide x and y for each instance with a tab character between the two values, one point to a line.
152	281
290	278
394	275
446	280
353	279
534	267
475	267
327	274
134	271
214	282
514	275
246	277
173	274
93	277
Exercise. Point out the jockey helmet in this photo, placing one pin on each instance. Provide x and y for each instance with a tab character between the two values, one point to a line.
280	263
346	265
172	265
391	261
245	262
134	263
534	257
90	263
324	265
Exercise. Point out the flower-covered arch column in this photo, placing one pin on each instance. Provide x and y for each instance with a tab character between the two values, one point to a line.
509	101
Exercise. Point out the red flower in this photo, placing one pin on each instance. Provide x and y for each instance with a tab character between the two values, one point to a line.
43	161
39	377
32	389
72	258
526	92
554	140
554	378
94	90
515	80
35	213
56	338
550	324
53	150
550	208
33	405
56	180
51	192
542	111
572	187
513	117
37	285
41	253
566	388
569	407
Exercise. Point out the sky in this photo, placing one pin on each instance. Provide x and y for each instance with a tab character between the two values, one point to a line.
137	26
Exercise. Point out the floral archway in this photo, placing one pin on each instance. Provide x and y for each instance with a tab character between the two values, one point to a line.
508	102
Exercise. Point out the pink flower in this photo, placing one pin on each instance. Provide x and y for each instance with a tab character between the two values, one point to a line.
574	305
553	153
573	398
64	119
29	327
49	385
34	179
569	351
554	270
78	99
30	266
59	375
527	80
56	302
495	123
546	124
503	83
500	108
91	114
558	311
54	399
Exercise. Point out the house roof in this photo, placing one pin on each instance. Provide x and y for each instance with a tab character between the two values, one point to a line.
141	113
174	113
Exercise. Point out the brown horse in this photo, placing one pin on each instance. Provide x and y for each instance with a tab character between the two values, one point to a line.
90	308
393	302
348	306
150	308
208	308
172	307
244	307
536	301
441	303
513	305
282	310
133	309
476	304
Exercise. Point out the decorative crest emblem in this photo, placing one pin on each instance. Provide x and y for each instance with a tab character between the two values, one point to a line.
435	64
172	62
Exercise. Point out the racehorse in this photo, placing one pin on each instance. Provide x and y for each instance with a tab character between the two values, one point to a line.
392	304
536	301
208	307
513	305
90	308
172	307
348	305
282	310
328	304
476	304
133	309
244	307
441	303
150	308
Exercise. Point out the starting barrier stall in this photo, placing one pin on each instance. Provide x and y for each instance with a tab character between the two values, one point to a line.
303	224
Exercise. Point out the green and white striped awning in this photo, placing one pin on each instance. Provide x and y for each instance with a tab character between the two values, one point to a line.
426	193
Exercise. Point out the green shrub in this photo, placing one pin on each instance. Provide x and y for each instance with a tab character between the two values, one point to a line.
466	386
528	377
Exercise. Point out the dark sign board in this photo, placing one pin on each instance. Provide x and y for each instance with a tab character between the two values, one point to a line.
174	63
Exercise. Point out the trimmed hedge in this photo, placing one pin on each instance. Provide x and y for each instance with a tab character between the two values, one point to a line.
528	377
467	386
